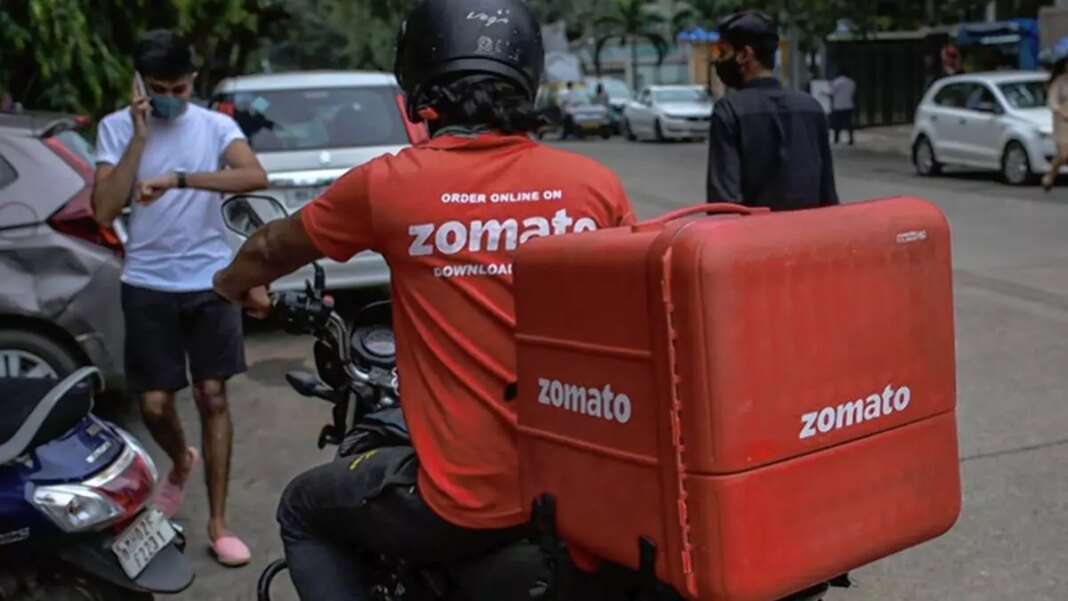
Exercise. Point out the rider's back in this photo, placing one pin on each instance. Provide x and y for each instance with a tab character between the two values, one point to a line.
448	216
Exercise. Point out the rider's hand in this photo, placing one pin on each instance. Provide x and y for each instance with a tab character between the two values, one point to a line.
139	108
258	303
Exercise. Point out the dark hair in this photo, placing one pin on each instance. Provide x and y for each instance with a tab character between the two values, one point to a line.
754	29
482	100
163	54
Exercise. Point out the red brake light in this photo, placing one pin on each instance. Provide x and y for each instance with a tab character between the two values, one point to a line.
75	218
131	488
226	108
417	132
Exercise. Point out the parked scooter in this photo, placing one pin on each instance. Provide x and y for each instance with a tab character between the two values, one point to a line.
356	362
75	520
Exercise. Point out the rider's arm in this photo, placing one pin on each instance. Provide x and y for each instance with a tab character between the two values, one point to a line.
276	249
336	225
724	157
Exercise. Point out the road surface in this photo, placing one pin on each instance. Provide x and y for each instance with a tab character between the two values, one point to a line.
1011	282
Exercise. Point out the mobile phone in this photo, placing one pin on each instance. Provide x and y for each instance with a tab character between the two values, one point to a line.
139	83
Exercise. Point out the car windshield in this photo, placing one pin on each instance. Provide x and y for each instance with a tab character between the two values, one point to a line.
616	89
314	119
1025	94
682	95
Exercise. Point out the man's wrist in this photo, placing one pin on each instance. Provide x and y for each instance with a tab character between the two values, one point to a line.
180	180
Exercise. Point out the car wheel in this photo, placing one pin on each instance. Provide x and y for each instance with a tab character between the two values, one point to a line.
1016	166
628	132
923	157
658	131
27	354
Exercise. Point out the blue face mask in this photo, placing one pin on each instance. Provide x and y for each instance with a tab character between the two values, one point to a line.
167	107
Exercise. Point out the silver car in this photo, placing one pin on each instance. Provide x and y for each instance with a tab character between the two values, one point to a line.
60	303
998	121
308	129
674	112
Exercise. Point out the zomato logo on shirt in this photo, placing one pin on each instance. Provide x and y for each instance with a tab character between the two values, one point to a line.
488	235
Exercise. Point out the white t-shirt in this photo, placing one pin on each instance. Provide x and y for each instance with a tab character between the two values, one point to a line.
842	91
178	242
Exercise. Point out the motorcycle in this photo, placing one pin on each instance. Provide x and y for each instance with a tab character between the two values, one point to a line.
75	520
357	374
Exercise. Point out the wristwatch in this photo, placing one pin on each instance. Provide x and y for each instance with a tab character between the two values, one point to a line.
179	175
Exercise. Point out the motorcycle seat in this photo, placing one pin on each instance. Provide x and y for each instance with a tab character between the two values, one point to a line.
37	410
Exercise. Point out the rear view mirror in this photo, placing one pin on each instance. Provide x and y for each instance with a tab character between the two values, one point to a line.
245	214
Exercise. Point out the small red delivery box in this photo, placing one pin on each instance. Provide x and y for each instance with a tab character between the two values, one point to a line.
769	398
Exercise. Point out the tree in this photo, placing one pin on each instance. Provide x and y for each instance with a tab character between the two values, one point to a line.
630	22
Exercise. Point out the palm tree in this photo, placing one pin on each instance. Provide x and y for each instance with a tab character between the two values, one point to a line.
630	22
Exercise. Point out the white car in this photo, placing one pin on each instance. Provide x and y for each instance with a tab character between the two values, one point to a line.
308	129
998	121
668	112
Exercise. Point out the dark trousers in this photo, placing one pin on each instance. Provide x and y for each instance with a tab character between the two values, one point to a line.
370	503
842	120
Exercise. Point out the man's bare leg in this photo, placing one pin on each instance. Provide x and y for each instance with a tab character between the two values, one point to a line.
162	421
217	431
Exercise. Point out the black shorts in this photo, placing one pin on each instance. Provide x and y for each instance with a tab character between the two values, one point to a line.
163	328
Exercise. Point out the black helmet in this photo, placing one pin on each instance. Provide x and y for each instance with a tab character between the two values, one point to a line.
447	37
750	28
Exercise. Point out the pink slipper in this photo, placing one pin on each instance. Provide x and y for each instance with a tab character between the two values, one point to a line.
231	552
169	495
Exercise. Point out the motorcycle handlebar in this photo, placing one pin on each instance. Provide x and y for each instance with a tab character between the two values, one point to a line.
305	313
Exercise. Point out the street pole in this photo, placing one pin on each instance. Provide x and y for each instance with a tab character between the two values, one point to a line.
932	14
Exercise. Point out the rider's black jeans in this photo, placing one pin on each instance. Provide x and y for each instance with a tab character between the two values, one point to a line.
370	503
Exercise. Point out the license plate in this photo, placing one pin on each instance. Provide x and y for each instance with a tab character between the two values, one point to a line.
141	542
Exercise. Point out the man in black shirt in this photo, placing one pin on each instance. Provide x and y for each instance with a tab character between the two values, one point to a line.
768	146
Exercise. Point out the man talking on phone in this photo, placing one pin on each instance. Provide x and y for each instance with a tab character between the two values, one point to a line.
171	162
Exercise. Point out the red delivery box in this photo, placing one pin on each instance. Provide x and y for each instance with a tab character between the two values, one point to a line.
769	398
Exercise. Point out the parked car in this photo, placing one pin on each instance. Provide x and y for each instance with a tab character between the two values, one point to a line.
675	112
309	128
997	121
60	305
572	112
619	94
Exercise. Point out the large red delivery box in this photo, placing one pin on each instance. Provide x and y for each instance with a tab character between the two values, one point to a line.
768	397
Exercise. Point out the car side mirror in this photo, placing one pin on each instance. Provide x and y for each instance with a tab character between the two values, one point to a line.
247	213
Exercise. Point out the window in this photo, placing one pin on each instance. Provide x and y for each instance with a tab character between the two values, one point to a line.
981	98
315	119
954	95
1025	94
8	175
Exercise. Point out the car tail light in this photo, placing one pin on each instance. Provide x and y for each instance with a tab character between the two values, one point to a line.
417	132
75	218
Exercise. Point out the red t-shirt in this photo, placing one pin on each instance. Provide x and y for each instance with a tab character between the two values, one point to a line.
448	216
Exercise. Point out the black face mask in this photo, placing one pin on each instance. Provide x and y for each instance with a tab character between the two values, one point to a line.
729	71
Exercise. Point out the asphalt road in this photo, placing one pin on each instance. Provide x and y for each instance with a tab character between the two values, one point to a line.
1011	282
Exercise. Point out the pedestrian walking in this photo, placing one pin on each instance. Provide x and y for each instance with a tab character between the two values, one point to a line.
768	146
1058	103
843	107
170	160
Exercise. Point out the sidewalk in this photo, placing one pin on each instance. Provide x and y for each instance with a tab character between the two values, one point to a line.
895	139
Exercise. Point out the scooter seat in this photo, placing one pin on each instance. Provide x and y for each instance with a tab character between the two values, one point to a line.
37	411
